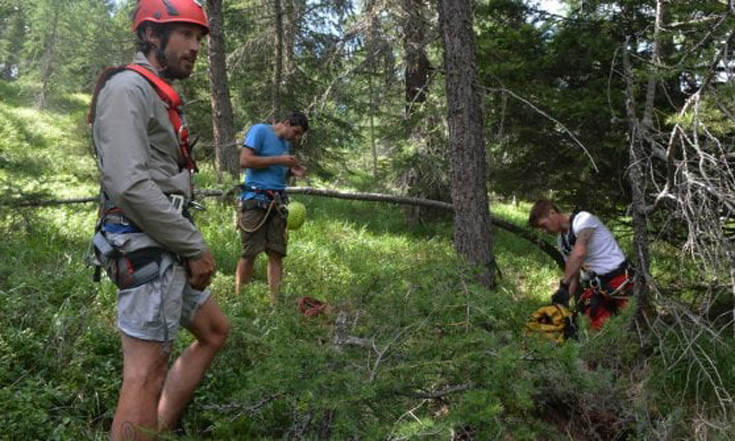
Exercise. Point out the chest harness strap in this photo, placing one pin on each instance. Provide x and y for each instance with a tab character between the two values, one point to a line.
173	103
569	239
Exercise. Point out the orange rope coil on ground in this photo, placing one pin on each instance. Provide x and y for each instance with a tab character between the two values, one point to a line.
311	307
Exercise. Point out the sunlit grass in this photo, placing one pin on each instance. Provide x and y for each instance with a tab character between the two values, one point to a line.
425	325
41	151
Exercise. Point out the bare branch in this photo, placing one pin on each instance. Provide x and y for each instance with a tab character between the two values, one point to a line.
549	117
436	394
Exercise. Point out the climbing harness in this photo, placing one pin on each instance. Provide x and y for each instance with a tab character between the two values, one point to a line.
140	265
127	269
277	199
569	239
605	295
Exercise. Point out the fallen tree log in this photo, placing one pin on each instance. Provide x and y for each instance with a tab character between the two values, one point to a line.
357	196
546	247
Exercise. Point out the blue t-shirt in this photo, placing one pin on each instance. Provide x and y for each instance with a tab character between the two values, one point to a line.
264	142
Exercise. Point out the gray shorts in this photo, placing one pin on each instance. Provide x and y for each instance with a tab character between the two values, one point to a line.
155	311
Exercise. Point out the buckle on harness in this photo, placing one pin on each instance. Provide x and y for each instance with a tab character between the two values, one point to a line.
117	218
177	201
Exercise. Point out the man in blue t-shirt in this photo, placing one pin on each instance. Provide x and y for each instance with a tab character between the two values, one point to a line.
267	160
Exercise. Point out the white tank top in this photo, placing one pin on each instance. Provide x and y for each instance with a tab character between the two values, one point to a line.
603	252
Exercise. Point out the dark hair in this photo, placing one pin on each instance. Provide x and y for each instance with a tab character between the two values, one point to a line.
296	118
162	30
539	210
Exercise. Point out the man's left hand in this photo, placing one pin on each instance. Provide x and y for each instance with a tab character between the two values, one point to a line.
561	296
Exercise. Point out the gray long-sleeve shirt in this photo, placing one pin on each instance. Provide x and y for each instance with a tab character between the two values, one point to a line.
141	161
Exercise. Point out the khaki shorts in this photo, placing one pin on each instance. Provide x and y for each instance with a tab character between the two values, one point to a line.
155	311
271	236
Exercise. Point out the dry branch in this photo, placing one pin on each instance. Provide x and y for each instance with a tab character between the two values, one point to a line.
405	200
436	394
358	196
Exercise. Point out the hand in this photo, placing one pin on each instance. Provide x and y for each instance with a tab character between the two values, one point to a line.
561	296
298	171
201	271
290	161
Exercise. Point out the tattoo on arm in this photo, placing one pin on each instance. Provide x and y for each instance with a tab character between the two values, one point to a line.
129	432
584	236
576	259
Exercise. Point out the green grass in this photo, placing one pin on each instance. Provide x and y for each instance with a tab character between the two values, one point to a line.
399	285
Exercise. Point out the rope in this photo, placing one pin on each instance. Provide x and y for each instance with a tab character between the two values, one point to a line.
311	307
262	221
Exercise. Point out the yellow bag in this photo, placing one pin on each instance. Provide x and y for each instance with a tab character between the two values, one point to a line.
552	321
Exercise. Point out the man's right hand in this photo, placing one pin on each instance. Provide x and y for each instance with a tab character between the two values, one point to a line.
201	271
291	161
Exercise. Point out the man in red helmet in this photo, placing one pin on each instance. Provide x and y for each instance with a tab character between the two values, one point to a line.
147	240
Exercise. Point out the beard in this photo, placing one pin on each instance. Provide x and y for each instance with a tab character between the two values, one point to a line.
175	69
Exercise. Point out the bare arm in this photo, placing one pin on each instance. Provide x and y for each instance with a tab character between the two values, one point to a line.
576	257
249	159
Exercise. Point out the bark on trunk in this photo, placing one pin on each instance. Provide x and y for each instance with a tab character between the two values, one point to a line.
417	63
290	32
278	59
472	234
17	36
48	60
642	135
637	180
373	35
223	126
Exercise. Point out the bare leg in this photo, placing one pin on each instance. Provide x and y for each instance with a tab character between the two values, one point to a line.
211	329
275	273
144	371
243	273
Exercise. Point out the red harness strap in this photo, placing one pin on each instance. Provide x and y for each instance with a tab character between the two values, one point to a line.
173	103
600	306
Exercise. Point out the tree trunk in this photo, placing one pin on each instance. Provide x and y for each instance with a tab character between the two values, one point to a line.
637	179
417	63
373	35
16	37
641	135
373	141
472	233
290	32
278	59
223	126
48	60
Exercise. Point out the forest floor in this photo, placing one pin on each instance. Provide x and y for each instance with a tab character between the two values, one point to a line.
411	348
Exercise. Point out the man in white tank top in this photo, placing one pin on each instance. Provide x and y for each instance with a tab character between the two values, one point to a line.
590	251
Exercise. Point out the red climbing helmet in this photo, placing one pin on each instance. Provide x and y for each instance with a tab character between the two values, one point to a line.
170	11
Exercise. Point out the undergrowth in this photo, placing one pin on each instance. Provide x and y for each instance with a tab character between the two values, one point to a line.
432	355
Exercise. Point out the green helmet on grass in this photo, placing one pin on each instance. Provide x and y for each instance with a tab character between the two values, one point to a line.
296	215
